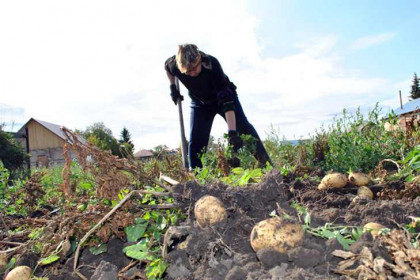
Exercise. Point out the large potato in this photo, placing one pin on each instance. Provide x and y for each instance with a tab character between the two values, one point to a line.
276	233
209	211
359	179
19	273
373	228
333	180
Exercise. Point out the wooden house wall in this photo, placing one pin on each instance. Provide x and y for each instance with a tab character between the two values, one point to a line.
42	138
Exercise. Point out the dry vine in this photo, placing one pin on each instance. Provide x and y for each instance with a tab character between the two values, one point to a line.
109	171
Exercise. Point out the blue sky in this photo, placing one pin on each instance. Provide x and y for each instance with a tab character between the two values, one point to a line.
297	63
298	20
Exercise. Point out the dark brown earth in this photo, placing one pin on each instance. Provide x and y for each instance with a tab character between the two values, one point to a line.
224	252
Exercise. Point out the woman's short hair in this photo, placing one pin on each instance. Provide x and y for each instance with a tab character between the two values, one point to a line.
187	56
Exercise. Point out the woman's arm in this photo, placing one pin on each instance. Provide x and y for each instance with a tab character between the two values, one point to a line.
231	120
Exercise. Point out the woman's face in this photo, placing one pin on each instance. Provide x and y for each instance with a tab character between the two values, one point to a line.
196	69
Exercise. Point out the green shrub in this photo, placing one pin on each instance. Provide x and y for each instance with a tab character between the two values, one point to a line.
355	142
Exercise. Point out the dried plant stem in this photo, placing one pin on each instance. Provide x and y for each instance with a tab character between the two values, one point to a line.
168	179
76	257
394	162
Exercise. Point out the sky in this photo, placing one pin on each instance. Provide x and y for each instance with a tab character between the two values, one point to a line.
297	63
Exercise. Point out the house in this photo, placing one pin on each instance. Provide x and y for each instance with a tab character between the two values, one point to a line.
408	113
44	142
143	155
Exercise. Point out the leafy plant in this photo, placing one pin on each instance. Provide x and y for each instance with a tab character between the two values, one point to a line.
240	176
345	235
356	142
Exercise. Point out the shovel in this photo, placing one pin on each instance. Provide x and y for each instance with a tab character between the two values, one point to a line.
184	147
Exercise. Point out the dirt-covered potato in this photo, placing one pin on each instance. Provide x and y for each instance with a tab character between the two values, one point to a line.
3	260
373	228
333	180
365	192
209	211
19	273
276	233
359	179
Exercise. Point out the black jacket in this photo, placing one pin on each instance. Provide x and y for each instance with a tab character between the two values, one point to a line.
210	86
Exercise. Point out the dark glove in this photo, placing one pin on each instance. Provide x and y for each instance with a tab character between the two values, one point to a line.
175	95
234	162
235	140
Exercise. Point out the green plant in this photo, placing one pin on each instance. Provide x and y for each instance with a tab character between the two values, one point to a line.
356	142
148	231
345	235
240	176
411	165
4	179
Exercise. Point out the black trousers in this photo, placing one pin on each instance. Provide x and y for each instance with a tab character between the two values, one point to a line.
202	116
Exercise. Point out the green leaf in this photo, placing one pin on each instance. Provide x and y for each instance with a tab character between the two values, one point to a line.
344	242
86	186
156	268
147	216
138	251
48	260
9	265
135	232
97	250
327	233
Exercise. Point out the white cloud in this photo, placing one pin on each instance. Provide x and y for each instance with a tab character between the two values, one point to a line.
77	62
369	41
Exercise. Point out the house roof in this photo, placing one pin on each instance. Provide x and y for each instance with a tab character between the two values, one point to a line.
408	107
143	153
54	128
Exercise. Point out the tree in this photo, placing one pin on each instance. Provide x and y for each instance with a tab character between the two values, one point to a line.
12	154
101	136
125	143
160	150
415	88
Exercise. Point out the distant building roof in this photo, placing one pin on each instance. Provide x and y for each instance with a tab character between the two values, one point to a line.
408	107
143	154
54	128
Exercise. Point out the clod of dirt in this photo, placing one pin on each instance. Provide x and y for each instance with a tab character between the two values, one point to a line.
271	258
105	271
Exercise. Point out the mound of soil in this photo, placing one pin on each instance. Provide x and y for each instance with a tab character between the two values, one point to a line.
224	252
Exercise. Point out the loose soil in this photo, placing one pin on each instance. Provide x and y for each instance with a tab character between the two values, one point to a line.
224	251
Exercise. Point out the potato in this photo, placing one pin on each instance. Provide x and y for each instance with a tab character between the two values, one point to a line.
209	211
276	233
19	273
365	192
359	179
373	228
3	260
333	180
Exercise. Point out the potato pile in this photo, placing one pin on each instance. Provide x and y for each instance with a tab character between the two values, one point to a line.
276	233
339	180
